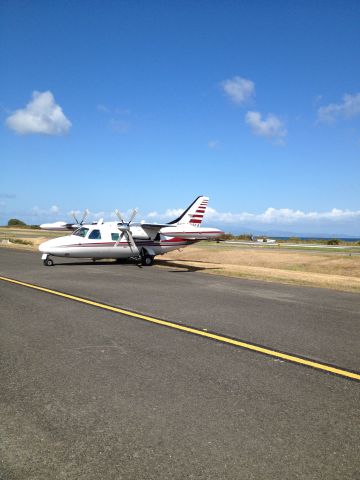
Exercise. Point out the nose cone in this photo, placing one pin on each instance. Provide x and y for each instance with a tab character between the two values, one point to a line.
54	245
45	247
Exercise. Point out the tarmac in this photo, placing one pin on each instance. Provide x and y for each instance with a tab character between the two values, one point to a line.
89	393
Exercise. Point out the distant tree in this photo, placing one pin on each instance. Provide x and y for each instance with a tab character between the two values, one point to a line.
294	239
245	236
333	241
14	222
226	236
230	236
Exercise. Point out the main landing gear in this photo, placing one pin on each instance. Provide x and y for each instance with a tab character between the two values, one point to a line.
147	260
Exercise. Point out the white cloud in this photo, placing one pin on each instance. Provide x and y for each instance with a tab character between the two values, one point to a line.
169	214
115	123
271	127
102	108
37	211
240	90
279	218
212	144
350	107
269	216
40	116
282	215
119	126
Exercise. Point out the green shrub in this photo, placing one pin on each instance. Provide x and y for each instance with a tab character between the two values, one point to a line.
245	236
20	242
333	241
294	240
15	222
227	236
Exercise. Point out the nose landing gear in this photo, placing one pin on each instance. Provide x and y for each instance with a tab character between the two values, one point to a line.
47	261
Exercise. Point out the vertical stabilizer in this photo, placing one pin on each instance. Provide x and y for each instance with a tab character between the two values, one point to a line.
194	214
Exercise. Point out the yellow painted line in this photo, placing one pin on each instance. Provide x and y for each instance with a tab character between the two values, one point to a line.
195	331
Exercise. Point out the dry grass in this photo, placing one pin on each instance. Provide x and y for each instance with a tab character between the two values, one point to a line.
28	243
25	238
329	270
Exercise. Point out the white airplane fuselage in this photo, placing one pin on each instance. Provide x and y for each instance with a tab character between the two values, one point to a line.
106	241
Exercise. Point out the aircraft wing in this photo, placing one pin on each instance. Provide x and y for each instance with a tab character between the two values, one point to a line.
152	226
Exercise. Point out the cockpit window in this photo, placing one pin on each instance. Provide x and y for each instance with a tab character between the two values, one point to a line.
81	232
95	235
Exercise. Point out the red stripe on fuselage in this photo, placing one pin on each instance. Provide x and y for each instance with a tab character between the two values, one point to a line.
168	242
194	232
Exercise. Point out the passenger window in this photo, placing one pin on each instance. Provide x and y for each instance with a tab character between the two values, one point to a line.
81	232
95	235
115	237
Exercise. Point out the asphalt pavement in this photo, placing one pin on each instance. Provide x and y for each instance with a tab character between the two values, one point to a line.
90	394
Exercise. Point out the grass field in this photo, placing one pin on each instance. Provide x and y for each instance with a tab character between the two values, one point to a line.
340	271
328	269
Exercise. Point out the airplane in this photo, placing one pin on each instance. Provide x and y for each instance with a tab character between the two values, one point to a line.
123	240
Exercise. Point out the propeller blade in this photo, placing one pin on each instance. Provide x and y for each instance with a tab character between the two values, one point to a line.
130	239
85	214
133	215
120	237
118	214
74	217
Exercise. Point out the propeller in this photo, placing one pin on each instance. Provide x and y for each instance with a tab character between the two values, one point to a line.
124	228
85	214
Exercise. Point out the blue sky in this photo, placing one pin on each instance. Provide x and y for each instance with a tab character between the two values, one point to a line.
111	104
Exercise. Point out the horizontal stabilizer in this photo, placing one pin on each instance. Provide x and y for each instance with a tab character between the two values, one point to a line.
192	233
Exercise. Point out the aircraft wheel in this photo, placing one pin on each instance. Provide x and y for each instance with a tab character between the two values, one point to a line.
48	262
147	260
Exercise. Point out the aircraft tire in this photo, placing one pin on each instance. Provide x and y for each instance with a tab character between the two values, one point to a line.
48	262
147	260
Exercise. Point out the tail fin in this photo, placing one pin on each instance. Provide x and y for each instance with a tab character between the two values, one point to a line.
194	214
